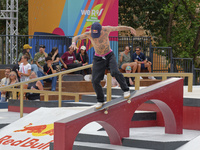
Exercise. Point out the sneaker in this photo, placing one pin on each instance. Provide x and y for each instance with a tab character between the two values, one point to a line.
141	78
98	105
152	78
127	94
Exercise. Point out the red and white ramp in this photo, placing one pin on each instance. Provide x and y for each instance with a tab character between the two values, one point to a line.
35	130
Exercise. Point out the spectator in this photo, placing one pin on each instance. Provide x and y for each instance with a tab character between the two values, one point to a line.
39	57
69	61
142	62
24	70
125	60
82	58
26	51
114	83
37	85
49	68
129	80
55	58
13	79
5	81
16	68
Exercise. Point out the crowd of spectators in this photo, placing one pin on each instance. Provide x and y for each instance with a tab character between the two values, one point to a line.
46	64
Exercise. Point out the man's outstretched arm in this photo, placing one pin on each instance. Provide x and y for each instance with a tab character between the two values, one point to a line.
121	28
77	38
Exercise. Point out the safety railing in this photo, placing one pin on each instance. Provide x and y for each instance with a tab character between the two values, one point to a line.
196	76
137	79
59	92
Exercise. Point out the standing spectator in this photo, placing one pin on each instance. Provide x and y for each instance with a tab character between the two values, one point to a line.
142	62
129	80
13	79
5	81
26	51
49	69
82	58
125	60
39	57
55	58
37	85
24	70
69	61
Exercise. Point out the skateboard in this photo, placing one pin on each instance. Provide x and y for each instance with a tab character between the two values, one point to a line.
106	106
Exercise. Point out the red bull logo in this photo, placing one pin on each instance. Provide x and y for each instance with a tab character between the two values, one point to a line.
95	31
31	143
39	130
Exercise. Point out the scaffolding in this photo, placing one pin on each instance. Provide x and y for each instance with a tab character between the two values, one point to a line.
11	17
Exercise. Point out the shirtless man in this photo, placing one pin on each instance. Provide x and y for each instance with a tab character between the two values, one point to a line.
103	58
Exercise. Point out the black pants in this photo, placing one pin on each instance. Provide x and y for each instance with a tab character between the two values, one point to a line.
100	64
75	65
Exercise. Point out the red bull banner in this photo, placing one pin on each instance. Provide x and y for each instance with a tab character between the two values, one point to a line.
34	131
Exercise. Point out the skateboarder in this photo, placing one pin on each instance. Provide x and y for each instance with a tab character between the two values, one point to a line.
103	58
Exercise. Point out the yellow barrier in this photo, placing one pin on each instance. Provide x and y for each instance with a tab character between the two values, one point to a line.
59	93
137	79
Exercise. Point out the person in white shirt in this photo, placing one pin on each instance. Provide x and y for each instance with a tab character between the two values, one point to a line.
5	81
24	70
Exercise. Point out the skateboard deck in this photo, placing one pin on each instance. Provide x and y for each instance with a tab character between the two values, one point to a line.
106	106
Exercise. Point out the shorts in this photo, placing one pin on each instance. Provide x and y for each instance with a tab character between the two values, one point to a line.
142	67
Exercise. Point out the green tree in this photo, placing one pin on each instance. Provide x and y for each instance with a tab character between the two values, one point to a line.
22	17
174	23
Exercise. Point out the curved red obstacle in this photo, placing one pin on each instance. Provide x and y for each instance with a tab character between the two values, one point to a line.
167	95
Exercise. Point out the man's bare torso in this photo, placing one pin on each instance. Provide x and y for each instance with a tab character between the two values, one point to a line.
101	44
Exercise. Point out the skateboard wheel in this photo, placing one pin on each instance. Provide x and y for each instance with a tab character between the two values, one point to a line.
129	101
106	112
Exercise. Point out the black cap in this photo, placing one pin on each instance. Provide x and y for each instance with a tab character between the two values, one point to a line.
42	46
48	58
96	30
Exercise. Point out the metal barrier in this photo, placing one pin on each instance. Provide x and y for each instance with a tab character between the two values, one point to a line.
182	65
196	76
137	79
161	58
59	93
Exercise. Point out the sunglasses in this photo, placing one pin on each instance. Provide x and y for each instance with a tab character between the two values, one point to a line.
11	75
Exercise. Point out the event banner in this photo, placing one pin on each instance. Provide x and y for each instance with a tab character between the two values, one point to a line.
71	17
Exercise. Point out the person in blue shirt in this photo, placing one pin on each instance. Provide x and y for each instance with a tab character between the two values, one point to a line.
142	61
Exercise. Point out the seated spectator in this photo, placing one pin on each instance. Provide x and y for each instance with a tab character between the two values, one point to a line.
13	79
55	58
37	85
142	62
125	60
82	58
49	68
39	57
26	51
69	61
5	81
16	68
129	80
114	83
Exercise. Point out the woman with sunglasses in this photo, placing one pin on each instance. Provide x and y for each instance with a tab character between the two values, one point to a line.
13	80
125	60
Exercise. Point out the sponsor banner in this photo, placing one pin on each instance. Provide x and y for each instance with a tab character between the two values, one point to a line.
35	130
